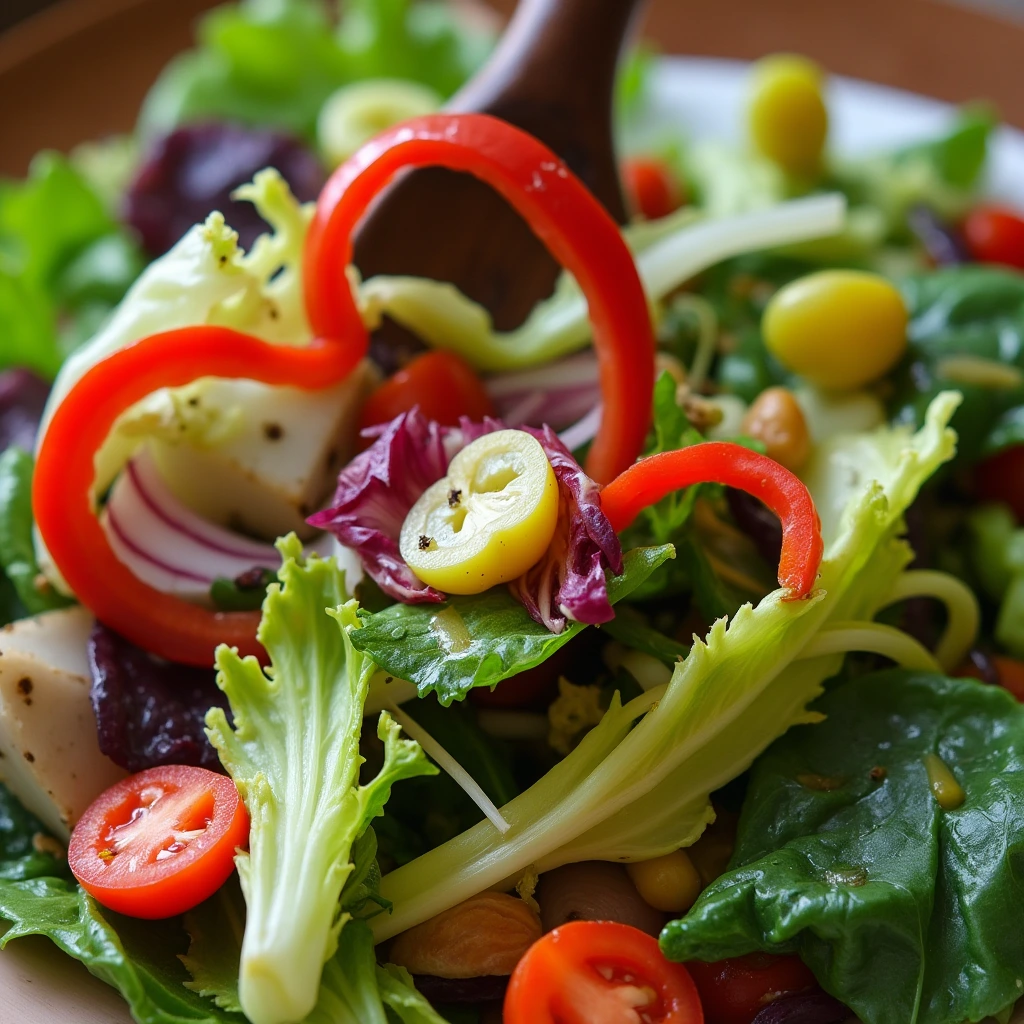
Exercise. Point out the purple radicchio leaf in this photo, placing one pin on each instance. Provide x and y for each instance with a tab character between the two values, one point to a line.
22	398
569	581
377	489
374	494
148	711
194	170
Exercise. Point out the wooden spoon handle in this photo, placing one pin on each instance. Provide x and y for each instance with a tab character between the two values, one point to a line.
553	74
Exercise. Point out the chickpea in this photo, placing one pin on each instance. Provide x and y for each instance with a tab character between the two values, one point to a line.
776	420
839	329
787	114
670	883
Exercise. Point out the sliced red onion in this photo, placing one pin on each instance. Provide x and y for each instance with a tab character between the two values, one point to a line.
583	431
557	394
169	546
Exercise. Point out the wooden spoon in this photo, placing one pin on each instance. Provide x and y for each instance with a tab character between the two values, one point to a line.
552	74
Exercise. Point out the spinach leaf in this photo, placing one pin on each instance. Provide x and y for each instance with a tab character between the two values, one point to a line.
630	628
975	312
138	958
17	552
503	639
26	850
959	156
906	912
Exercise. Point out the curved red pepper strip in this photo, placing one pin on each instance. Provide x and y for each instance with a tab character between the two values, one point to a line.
563	213
64	477
648	481
565	217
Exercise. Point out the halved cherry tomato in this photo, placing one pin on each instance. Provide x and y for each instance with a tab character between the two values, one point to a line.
440	383
1001	478
995	235
735	991
590	971
160	842
651	187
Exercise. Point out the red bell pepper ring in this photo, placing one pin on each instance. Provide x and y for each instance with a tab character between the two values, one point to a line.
649	480
64	477
559	208
563	214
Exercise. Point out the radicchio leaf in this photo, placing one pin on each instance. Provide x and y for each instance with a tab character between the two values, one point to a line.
569	581
374	494
22	398
195	169
148	711
377	489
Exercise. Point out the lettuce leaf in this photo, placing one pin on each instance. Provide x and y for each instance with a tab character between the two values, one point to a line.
138	958
294	755
633	791
906	912
273	63
48	222
504	639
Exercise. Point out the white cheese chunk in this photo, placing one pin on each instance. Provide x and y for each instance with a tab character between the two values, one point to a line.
49	754
278	464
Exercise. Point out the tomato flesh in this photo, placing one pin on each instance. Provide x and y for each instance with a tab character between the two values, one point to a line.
995	235
444	387
160	842
651	187
599	972
735	991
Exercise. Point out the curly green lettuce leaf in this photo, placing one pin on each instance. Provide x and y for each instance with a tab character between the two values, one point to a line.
638	784
17	551
907	912
294	755
273	63
138	958
407	641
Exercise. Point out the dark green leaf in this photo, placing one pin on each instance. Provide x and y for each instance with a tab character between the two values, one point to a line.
906	912
245	596
138	958
27	323
215	929
630	628
26	849
17	552
975	311
504	640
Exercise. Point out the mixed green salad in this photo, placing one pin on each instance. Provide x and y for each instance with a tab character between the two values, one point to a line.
656	661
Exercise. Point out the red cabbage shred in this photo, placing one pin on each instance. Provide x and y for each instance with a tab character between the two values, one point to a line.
23	395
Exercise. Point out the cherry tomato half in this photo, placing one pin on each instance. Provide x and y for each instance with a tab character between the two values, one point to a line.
995	235
651	187
1001	478
159	843
587	971
440	383
735	991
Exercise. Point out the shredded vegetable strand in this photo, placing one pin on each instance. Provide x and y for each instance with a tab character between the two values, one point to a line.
962	610
707	335
873	638
465	781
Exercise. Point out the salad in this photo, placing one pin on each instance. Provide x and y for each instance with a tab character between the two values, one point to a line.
655	661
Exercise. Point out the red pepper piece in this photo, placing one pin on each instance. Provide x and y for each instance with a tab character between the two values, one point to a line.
64	476
559	208
649	480
564	215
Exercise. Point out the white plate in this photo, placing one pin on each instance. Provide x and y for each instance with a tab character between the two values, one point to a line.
703	98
